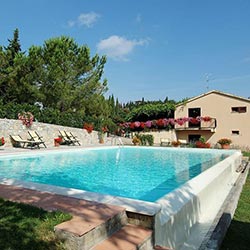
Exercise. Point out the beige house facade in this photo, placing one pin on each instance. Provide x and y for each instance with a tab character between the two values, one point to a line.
219	115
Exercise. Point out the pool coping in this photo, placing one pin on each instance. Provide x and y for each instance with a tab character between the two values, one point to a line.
131	205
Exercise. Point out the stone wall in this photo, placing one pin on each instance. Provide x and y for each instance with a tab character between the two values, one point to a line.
49	132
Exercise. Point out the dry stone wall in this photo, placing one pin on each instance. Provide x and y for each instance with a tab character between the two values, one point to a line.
49	132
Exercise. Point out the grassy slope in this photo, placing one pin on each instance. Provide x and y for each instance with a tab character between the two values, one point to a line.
24	227
238	235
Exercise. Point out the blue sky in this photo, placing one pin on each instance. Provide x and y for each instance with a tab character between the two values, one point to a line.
155	48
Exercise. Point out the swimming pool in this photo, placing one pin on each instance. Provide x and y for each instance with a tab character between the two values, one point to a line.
140	173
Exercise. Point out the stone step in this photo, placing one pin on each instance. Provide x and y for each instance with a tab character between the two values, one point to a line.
81	233
129	237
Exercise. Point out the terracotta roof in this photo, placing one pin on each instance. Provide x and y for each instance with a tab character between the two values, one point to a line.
218	93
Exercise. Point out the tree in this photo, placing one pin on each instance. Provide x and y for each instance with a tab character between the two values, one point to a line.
153	110
65	74
14	47
13	70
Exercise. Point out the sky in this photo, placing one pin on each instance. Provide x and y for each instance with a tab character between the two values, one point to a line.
155	48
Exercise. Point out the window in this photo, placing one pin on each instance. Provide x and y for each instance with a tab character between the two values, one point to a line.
239	109
235	132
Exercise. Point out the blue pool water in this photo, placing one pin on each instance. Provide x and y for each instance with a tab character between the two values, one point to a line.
134	172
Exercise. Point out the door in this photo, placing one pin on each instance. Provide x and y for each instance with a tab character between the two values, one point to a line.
194	112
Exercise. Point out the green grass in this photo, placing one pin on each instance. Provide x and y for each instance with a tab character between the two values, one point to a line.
23	227
238	234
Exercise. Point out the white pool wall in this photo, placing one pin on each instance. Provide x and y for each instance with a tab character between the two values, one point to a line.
196	202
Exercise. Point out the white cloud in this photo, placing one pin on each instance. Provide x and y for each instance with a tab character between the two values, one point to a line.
118	48
88	19
85	19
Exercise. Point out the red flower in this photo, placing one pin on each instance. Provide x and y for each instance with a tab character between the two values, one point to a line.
104	129
194	120
58	140
132	125
180	121
142	125
2	142
206	119
160	123
89	127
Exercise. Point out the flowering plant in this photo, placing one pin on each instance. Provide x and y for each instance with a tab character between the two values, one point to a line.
136	140
176	143
160	123
142	125
104	130
200	144
194	120
224	141
164	122
2	142
206	118
58	140
89	127
27	118
148	124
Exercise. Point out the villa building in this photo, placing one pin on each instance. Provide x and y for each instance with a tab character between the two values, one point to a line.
219	115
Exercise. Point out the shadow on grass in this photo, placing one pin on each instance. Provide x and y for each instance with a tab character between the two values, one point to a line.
25	227
237	237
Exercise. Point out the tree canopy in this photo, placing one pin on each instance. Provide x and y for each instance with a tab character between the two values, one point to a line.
66	82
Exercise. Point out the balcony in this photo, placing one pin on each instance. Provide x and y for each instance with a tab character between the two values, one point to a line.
201	125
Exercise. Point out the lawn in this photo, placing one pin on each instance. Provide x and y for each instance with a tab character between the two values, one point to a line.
238	234
24	227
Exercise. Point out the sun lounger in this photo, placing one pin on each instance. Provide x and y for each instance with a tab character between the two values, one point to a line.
72	137
183	142
165	141
68	140
18	141
36	138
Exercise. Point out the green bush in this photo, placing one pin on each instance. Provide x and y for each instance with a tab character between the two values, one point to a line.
146	139
47	115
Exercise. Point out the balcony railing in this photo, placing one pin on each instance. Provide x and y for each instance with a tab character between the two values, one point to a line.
202	125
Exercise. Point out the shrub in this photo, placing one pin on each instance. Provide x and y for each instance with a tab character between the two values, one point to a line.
146	139
224	141
176	143
136	140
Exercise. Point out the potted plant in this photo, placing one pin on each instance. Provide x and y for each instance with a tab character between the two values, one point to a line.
225	143
2	142
176	143
101	137
89	127
136	140
57	141
201	143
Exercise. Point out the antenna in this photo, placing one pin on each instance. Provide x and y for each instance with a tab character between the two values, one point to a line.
209	78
